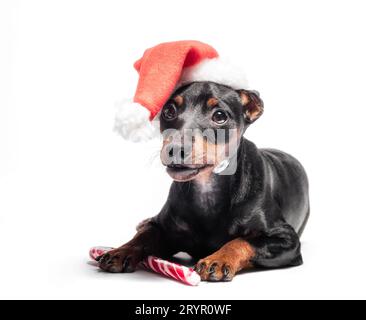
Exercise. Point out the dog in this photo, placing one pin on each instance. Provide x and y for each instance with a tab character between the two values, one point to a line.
250	218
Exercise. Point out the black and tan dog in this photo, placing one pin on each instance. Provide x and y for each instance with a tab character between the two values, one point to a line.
227	222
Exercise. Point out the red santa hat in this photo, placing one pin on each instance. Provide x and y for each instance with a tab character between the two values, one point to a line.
164	68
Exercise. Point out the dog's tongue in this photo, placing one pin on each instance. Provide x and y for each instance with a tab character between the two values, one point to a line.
182	173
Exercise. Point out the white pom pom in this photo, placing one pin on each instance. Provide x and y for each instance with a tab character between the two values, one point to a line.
132	122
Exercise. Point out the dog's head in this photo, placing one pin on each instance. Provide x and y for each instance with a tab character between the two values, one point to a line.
202	124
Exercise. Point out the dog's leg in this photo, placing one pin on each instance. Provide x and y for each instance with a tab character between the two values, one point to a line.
278	247
147	241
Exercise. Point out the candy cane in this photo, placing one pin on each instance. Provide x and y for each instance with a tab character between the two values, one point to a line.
169	269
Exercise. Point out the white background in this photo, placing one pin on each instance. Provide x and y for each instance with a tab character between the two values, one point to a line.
68	182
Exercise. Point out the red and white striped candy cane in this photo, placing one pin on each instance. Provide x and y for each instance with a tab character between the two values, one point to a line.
169	269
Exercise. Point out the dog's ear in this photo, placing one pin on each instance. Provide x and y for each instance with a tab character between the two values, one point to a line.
252	103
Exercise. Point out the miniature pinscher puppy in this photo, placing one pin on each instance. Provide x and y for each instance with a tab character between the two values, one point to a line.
249	215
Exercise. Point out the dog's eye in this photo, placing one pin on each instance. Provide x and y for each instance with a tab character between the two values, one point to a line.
220	117
169	112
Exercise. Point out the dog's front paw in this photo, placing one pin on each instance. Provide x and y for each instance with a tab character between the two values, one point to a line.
124	259
222	265
215	269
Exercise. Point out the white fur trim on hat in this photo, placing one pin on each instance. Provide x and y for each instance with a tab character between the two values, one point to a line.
132	122
217	70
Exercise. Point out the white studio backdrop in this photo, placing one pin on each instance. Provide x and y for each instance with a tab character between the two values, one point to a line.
68	182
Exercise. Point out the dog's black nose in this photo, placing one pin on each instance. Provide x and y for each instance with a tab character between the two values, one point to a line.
177	153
